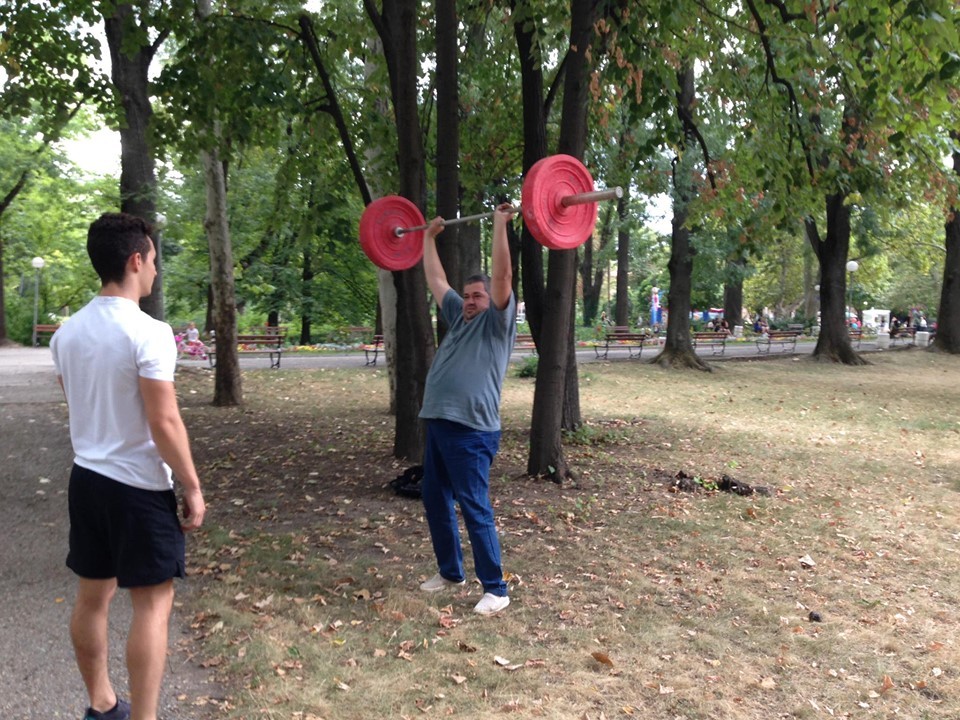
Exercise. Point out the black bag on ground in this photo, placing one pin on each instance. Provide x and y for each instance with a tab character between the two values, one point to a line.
408	483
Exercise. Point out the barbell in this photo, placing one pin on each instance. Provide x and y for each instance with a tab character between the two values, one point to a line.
558	203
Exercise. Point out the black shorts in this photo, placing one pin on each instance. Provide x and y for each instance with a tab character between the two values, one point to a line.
123	532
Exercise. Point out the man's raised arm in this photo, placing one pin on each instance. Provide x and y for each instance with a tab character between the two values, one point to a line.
501	269
432	267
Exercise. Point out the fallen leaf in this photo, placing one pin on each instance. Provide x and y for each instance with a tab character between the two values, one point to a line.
768	683
602	658
886	684
458	679
501	661
463	647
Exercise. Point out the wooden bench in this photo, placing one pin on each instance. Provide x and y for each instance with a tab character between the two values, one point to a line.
373	349
265	342
855	336
623	338
524	343
357	333
796	327
786	339
716	341
44	331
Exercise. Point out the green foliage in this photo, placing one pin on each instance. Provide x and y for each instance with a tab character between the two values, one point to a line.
527	368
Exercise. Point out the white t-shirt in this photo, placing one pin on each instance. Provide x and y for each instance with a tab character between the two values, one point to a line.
101	353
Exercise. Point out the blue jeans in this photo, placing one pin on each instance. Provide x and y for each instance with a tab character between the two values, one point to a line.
456	467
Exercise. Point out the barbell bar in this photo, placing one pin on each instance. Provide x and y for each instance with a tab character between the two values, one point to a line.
558	203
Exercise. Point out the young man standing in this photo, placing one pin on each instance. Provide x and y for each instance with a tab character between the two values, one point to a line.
116	364
461	405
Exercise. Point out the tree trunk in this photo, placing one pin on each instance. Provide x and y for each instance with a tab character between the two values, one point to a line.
138	182
678	348
448	146
591	277
414	340
556	402
833	343
623	260
227	385
733	294
534	148
947	338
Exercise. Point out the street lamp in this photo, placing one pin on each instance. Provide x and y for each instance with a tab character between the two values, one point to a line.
852	267
38	263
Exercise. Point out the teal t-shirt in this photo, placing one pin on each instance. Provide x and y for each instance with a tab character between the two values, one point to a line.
464	382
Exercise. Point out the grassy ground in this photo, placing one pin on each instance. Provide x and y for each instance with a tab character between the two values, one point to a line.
630	599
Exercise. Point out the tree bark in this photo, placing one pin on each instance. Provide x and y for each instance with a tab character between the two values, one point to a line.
678	348
227	384
623	260
947	338
414	340
733	294
556	401
448	145
591	275
833	343
138	181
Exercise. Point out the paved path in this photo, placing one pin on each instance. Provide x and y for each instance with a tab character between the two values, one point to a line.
38	677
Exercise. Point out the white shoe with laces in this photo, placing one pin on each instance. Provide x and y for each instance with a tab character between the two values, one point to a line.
491	604
438	582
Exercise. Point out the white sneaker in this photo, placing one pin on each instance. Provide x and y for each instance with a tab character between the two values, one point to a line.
437	583
491	604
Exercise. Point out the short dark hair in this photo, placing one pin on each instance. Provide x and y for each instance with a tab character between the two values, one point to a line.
114	238
479	278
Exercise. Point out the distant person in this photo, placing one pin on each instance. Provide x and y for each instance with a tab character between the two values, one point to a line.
115	364
461	406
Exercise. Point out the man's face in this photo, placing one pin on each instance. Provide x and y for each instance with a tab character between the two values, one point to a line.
148	271
476	299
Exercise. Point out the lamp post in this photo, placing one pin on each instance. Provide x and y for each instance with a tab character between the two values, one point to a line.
852	267
38	263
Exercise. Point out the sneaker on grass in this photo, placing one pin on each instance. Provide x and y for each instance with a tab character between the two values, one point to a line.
438	582
120	711
491	604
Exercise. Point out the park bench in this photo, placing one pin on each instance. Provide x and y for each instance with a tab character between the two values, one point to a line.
373	349
906	335
716	341
356	333
524	342
786	339
45	331
856	336
796	327
265	341
622	337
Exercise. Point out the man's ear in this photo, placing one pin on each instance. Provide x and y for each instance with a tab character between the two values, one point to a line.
135	262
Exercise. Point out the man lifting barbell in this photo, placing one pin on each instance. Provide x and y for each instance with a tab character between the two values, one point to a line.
461	407
559	209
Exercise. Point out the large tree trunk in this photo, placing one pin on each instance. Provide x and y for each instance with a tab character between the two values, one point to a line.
556	400
227	385
414	340
678	348
948	317
623	260
138	182
534	148
833	343
733	294
448	145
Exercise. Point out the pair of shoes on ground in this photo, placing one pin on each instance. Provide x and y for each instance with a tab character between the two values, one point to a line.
120	711
489	604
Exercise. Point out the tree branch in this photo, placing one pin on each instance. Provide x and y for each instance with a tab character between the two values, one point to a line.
771	65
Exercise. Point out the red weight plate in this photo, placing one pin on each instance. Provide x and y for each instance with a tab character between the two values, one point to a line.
547	183
379	240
